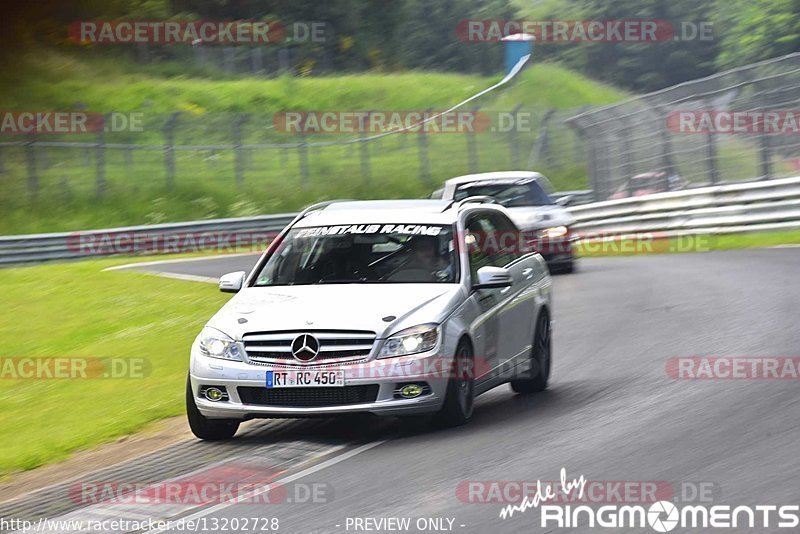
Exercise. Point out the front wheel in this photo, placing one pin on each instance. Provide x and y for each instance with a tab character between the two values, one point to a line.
203	427
541	359
459	400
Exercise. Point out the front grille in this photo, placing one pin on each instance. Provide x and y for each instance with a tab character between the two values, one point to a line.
308	397
335	346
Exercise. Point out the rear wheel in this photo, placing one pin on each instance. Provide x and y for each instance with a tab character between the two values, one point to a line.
460	397
202	426
541	359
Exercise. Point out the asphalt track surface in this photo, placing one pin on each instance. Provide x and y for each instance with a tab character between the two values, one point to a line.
612	413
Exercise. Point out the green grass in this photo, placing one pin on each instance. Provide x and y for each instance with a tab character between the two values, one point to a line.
205	183
56	80
76	310
698	243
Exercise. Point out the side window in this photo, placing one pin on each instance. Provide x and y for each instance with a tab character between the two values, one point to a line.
510	243
478	241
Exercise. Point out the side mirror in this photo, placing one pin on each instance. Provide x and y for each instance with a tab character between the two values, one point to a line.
492	278
564	201
232	282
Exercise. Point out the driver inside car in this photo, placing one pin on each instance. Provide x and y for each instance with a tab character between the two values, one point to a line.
424	255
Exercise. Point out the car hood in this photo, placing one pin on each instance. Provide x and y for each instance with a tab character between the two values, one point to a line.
336	307
536	217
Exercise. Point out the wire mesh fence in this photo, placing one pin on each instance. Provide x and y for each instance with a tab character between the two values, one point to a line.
251	153
742	124
735	126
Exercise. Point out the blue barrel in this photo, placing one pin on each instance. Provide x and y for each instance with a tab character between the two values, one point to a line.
516	46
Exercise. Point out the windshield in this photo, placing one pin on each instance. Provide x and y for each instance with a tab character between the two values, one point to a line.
364	253
509	195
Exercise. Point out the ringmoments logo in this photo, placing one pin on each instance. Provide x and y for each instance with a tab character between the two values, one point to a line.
664	516
561	506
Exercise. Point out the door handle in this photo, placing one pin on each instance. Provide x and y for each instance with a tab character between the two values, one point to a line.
528	273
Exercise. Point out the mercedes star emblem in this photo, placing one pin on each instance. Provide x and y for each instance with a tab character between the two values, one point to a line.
305	347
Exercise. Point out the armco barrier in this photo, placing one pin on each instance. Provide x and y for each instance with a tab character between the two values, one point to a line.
740	207
66	245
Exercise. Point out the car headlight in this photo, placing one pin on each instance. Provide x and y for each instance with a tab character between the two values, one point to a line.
412	340
554	232
215	344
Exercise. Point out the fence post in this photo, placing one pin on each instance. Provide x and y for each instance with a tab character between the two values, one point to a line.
765	153
237	149
44	161
628	167
229	59
142	53
169	150
424	171
513	137
2	164
364	151
542	143
594	180
199	55
128	155
472	150
257	60
283	60
711	152
303	155
100	159
667	151
33	178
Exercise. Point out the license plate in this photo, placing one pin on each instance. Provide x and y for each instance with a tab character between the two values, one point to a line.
304	379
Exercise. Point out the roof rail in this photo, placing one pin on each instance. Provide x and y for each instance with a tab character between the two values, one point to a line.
468	200
316	207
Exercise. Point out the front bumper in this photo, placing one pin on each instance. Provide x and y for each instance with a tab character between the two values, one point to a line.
385	375
555	251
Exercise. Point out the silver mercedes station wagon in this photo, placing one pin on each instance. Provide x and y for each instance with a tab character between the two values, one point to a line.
397	308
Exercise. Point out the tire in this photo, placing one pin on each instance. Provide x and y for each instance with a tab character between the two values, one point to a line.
563	268
459	400
203	427
541	359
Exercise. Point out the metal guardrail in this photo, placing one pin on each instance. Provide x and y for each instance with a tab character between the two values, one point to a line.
742	207
153	239
578	197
